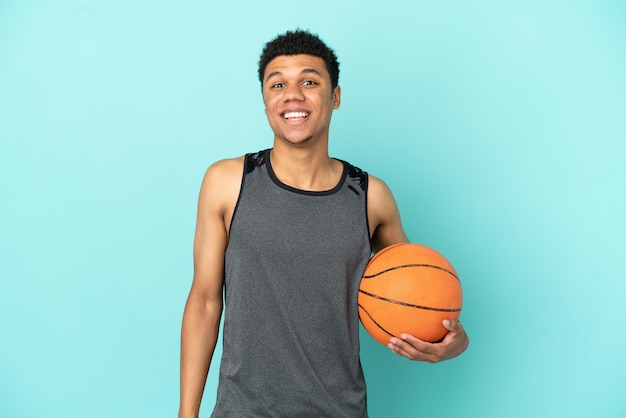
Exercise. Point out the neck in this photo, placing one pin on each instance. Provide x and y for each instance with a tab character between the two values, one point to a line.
305	168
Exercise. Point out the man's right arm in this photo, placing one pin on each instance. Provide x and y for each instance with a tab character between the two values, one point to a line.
203	310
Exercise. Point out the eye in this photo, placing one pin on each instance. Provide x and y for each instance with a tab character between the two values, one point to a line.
278	85
309	83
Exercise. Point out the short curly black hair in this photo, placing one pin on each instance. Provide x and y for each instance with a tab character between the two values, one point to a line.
300	42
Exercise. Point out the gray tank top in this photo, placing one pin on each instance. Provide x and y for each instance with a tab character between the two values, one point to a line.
292	270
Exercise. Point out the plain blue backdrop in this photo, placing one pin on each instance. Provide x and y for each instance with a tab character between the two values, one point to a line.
499	125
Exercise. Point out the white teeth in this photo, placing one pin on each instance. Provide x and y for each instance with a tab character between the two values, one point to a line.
289	115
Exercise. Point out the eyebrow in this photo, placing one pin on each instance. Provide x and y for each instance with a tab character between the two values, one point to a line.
304	71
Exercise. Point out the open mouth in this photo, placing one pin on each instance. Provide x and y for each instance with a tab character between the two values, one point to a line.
295	115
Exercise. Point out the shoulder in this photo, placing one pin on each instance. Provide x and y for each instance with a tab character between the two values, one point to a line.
383	215
221	183
225	168
377	190
380	201
222	174
233	168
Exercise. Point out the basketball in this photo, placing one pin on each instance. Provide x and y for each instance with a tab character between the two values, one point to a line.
408	288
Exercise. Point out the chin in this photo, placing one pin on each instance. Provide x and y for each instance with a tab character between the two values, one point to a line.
297	140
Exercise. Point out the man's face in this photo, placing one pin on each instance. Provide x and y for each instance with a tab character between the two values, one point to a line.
299	99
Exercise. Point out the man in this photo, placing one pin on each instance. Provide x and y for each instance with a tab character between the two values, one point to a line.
284	235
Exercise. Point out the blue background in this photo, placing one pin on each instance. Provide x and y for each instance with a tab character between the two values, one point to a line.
500	126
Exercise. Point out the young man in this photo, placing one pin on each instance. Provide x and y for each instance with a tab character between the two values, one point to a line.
284	235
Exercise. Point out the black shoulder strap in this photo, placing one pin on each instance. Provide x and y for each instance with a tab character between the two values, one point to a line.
357	175
254	160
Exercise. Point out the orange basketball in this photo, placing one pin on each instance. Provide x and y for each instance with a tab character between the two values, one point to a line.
408	288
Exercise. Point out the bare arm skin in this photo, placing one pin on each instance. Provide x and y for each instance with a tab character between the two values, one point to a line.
386	229
201	319
383	215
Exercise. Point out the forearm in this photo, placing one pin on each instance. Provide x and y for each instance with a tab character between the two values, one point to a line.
198	338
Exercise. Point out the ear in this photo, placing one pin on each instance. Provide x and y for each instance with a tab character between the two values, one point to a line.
337	97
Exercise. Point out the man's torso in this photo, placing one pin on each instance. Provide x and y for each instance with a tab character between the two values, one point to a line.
292	269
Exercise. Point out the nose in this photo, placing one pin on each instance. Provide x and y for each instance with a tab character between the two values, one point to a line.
293	92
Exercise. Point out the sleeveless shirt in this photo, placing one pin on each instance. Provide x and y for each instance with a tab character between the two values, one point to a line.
293	265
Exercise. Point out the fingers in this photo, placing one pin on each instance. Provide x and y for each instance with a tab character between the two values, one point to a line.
455	329
453	344
414	349
452	325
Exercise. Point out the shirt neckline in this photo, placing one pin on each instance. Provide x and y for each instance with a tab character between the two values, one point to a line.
287	187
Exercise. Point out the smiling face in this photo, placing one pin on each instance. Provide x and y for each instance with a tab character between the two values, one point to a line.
299	99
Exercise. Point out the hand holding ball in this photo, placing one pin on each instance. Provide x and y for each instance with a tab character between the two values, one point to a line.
409	288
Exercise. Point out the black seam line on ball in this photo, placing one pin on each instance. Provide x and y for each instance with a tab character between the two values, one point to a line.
374	321
410	305
410	265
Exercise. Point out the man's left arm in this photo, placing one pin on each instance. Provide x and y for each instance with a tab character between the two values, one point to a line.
386	227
